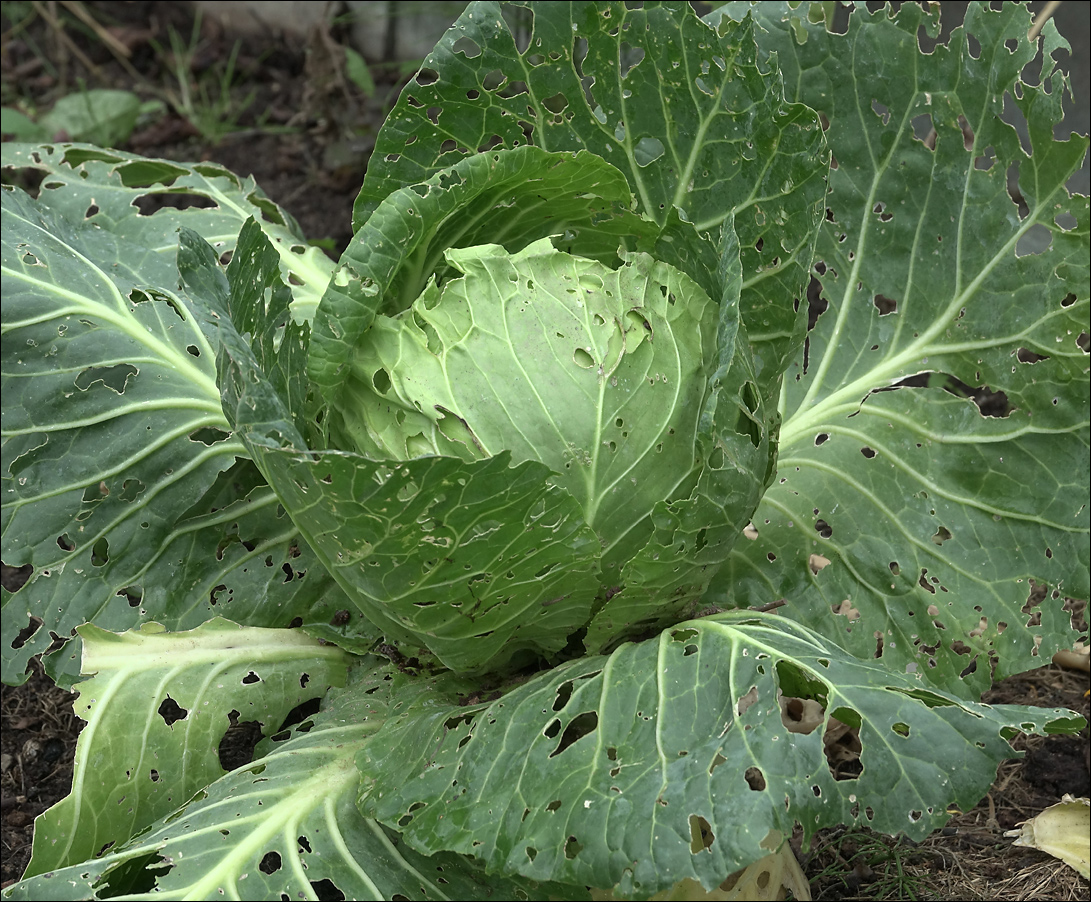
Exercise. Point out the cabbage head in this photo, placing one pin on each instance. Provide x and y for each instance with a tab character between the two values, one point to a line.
562	447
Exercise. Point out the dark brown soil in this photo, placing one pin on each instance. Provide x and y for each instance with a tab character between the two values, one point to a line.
295	121
304	131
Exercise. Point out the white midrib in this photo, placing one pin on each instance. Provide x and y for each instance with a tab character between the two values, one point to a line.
811	413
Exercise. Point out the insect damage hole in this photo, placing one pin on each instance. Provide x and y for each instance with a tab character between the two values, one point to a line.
700	833
884	305
841	744
236	748
172	712
580	726
755	779
327	889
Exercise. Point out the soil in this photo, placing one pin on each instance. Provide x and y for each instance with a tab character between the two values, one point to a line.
304	131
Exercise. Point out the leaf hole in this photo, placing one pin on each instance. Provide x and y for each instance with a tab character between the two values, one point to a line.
100	552
148	204
467	46
1024	355
583	359
236	748
884	305
755	779
841	744
648	149
557	103
630	57
133	595
923	581
869	453
328	891
114	377
172	712
270	863
1015	192
1035	240
209	435
582	725
701	836
924	130
493	80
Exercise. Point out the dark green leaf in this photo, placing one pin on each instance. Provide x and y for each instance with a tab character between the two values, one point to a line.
675	758
112	423
940	518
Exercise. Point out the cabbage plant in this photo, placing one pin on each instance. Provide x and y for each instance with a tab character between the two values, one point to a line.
693	429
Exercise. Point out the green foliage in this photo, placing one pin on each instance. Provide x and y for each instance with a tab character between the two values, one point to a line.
97	116
930	268
204	99
514	441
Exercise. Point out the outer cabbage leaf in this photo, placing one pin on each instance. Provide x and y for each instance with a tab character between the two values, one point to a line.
108	188
157	706
683	110
112	422
235	553
285	824
938	520
127	386
676	757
